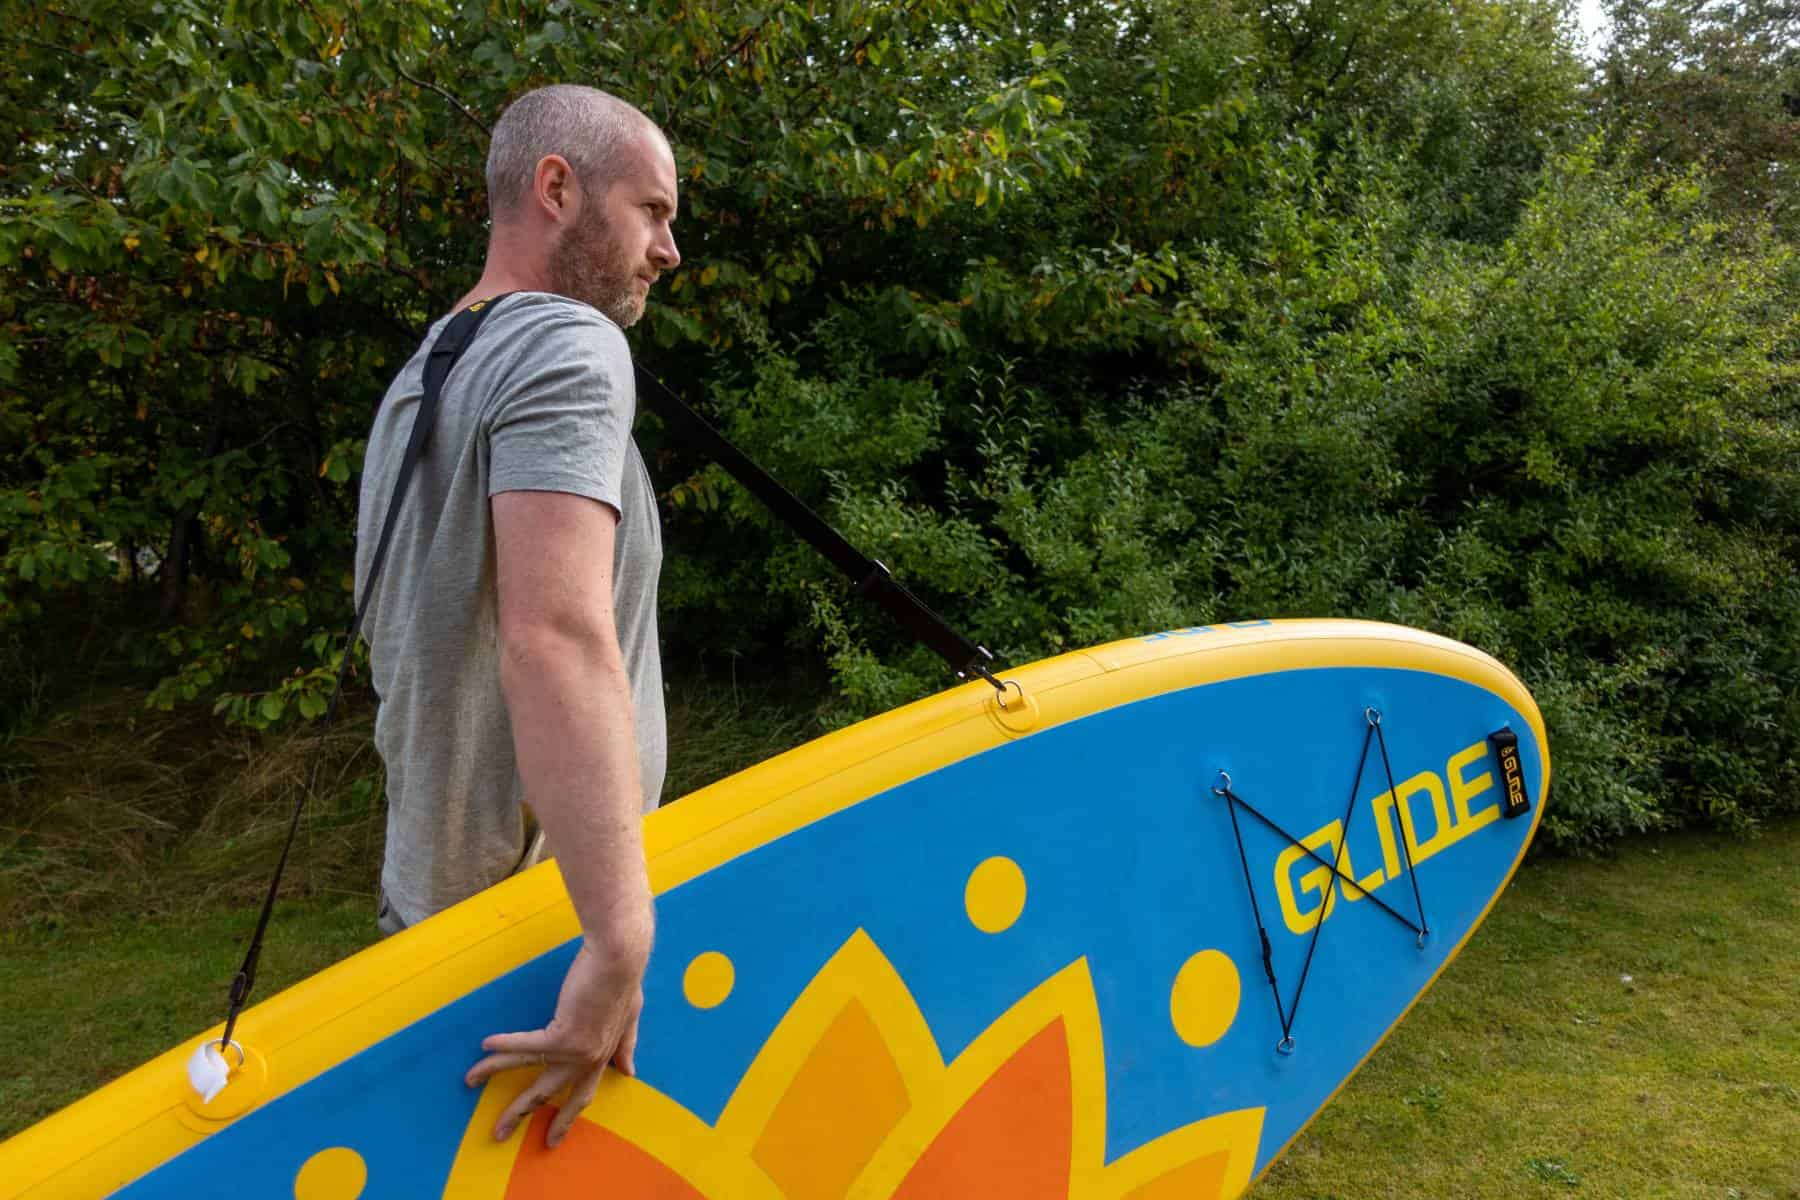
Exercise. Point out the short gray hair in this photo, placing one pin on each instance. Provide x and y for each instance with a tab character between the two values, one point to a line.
585	125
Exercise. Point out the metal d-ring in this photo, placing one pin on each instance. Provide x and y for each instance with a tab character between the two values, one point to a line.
1285	1045
980	670
1423	934
1372	715
1001	696
233	1044
1223	788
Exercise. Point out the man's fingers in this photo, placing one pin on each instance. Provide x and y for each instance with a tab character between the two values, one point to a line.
580	1096
536	1042
509	1050
493	1064
565	1050
540	1092
622	1057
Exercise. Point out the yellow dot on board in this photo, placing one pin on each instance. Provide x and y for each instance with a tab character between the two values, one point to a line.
1204	1001
995	895
708	980
335	1174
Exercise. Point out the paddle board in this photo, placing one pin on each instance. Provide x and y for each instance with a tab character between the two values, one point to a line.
1118	932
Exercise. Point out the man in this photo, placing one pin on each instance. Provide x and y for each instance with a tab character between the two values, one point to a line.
513	630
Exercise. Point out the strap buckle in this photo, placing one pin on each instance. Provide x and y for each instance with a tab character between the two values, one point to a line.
978	667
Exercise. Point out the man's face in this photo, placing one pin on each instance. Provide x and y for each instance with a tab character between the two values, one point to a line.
621	241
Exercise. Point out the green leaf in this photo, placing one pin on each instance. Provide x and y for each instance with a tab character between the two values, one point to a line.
187	183
271	206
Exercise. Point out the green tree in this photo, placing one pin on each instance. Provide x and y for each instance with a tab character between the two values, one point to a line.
1600	455
1713	84
1086	317
230	222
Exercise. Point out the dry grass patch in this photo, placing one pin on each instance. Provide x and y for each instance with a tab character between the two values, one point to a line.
114	809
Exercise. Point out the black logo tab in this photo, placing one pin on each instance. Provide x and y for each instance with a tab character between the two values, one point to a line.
1505	744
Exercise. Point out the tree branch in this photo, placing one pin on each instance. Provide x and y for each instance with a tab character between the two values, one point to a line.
742	44
460	106
67	16
31	41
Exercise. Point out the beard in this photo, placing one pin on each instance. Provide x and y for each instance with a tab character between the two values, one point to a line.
588	265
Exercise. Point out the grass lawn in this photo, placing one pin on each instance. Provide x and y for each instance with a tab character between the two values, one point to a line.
1626	1028
86	1003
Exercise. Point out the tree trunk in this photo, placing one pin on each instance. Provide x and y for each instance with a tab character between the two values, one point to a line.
187	526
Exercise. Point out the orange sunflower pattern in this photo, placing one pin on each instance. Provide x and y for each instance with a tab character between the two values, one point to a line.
850	1098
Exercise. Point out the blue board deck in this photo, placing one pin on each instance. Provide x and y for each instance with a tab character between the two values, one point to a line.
963	949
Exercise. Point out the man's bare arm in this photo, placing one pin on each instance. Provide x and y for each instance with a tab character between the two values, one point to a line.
569	702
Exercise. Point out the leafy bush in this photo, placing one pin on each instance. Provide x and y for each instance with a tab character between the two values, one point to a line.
1603	454
1086	318
1575	450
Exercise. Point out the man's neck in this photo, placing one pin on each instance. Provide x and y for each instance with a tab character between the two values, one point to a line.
497	283
511	266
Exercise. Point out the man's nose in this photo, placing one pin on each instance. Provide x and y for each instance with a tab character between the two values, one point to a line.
663	252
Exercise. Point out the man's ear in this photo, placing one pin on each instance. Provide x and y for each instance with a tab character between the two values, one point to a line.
554	187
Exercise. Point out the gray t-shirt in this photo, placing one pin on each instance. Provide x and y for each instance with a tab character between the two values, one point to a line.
541	400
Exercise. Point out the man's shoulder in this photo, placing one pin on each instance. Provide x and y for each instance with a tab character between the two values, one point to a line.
558	321
541	348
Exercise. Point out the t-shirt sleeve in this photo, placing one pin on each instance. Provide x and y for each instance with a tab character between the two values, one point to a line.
563	421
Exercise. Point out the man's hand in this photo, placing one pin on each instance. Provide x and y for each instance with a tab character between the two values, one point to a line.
595	1025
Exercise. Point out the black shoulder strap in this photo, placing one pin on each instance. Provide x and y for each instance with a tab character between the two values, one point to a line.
872	578
448	347
444	352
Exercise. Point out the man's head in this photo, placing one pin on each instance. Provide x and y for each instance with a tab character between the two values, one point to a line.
582	190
